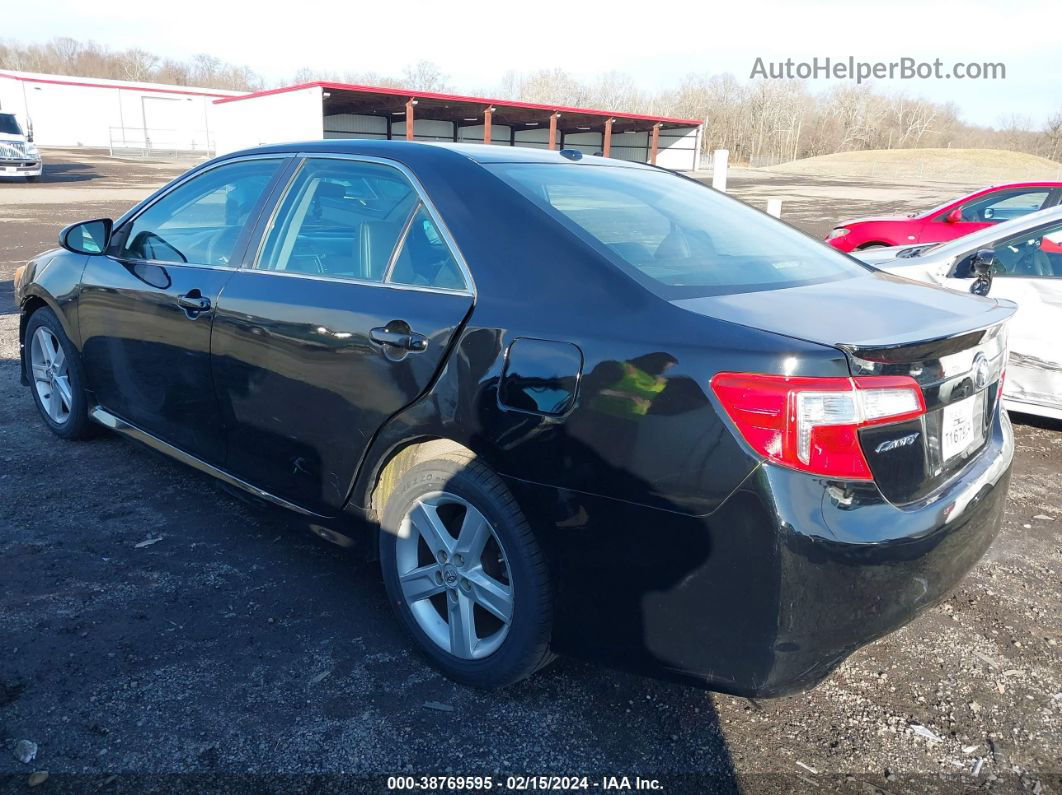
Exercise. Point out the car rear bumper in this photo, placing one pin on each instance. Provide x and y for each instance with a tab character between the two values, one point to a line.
774	589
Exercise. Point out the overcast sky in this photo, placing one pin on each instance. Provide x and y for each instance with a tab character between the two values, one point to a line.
655	42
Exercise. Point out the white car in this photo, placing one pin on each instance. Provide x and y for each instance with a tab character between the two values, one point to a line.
18	154
1025	256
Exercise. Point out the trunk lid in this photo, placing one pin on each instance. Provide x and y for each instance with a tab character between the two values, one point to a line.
953	344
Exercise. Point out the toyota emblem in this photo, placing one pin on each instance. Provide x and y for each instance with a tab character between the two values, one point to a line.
980	371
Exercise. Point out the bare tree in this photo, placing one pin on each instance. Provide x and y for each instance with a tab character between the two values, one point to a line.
768	121
139	65
425	76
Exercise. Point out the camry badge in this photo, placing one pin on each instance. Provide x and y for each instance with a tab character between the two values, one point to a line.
892	444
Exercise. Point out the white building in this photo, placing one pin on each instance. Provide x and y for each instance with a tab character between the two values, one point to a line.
92	112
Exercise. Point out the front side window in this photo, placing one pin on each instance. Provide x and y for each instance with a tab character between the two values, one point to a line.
1037	252
677	237
339	218
200	221
1004	206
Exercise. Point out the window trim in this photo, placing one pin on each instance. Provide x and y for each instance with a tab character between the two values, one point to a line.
126	221
250	263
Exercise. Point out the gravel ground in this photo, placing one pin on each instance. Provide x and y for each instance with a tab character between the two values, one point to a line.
153	625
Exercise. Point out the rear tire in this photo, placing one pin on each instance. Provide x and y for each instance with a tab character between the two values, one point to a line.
54	368
869	246
464	572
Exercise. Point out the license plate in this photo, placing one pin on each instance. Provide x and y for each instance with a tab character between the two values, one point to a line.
957	428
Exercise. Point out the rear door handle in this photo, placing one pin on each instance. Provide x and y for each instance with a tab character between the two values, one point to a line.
406	340
193	302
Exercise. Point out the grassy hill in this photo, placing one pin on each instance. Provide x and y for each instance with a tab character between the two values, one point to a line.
947	165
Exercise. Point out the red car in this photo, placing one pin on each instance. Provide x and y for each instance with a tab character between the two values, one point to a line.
954	219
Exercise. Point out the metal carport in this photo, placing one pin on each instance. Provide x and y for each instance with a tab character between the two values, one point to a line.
335	110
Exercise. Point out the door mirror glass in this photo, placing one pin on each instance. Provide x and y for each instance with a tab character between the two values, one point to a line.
87	237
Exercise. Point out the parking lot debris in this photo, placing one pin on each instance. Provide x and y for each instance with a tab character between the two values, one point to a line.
969	749
1044	517
978	762
439	706
37	778
997	753
985	658
147	542
25	751
922	731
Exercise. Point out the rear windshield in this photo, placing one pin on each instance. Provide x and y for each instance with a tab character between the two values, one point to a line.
9	124
678	237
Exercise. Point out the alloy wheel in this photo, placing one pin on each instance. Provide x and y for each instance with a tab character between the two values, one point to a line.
454	575
51	375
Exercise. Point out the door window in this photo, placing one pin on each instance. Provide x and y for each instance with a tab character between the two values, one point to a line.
339	218
1034	253
199	222
1037	252
1005	206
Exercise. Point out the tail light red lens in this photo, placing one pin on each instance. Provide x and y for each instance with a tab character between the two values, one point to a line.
812	424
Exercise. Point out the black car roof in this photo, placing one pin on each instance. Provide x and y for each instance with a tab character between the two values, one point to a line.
427	151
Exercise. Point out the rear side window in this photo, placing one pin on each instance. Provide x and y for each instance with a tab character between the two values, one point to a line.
200	221
679	238
424	259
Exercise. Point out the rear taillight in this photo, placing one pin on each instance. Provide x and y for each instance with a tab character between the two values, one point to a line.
812	424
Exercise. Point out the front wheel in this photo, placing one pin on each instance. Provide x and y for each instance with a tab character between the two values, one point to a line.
464	572
55	373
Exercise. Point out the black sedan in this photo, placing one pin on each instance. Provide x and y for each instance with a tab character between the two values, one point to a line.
576	405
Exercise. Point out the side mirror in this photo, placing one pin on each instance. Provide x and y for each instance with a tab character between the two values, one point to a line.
983	263
87	237
954	217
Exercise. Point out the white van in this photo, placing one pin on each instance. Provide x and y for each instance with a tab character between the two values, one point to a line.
18	155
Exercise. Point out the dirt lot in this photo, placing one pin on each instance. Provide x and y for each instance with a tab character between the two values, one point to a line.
237	643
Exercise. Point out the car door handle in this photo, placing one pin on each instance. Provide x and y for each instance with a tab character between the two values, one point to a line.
406	340
193	302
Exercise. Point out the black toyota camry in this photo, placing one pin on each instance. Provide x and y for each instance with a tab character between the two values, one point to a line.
575	405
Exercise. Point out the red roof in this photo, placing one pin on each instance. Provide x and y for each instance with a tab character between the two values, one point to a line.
403	92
